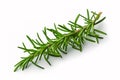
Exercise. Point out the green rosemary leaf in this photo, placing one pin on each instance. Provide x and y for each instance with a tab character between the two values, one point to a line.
76	48
24	45
55	54
38	55
39	38
64	28
92	17
16	68
21	48
88	15
83	17
55	33
89	28
100	20
55	27
30	50
19	63
27	50
101	32
22	57
73	29
88	39
94	35
77	19
58	53
75	24
47	59
82	40
78	44
37	42
26	64
62	51
97	39
65	47
94	13
41	52
23	65
65	43
37	65
31	41
45	33
37	58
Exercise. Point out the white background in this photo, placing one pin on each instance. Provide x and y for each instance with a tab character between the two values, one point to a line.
19	18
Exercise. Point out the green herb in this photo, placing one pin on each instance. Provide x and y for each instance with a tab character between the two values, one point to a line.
73	35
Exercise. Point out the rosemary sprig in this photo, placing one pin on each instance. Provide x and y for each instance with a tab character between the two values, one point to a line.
74	35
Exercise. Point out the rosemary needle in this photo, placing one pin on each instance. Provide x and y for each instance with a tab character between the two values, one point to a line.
73	35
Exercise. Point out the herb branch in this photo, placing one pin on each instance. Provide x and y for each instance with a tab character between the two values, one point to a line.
73	35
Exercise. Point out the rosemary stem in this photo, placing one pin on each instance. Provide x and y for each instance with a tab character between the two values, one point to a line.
75	36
